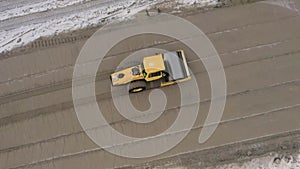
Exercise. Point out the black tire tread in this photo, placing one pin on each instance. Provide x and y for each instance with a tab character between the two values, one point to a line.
137	84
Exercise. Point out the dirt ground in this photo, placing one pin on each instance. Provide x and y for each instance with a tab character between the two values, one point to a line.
258	44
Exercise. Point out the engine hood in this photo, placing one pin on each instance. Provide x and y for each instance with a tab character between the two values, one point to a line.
127	75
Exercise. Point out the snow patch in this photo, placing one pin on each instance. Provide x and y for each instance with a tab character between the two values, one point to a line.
10	39
266	162
289	4
37	7
112	10
202	2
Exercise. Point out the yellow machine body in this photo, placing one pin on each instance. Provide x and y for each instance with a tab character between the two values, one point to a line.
153	68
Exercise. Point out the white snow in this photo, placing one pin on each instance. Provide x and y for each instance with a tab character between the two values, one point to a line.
23	35
266	162
289	4
202	2
113	10
37	7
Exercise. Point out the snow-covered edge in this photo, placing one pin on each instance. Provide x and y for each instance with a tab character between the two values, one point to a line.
37	7
272	161
120	10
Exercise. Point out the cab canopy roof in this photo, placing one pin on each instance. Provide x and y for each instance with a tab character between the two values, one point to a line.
154	63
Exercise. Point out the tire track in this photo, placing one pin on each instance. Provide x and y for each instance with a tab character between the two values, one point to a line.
100	76
43	43
43	73
39	44
166	135
73	39
69	105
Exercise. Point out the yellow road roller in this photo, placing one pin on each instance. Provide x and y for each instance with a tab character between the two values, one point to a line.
161	69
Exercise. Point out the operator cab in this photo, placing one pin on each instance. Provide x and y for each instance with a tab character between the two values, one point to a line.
153	67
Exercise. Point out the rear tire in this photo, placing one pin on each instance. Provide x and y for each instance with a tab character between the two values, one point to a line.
137	86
